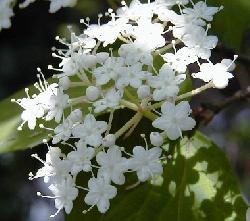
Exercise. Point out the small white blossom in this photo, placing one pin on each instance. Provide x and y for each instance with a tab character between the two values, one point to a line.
174	119
166	83
136	52
132	75
113	165
180	59
65	193
81	158
109	32
200	42
55	169
146	31
109	71
200	10
111	100
146	163
63	131
37	106
217	73
100	192
57	103
90	131
32	112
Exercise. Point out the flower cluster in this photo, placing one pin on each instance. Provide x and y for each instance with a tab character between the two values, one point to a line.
156	44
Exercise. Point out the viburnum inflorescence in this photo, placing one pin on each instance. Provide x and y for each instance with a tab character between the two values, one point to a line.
130	77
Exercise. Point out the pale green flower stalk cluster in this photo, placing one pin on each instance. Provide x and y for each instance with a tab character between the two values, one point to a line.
130	77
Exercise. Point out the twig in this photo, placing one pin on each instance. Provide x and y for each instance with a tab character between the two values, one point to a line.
206	112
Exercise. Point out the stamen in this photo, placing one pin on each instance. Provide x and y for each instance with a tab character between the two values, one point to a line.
52	216
49	197
89	209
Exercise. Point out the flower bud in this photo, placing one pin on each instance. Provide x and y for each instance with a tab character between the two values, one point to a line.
92	93
156	139
143	91
64	82
75	115
109	140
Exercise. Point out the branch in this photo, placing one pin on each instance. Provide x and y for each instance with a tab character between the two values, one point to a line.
206	112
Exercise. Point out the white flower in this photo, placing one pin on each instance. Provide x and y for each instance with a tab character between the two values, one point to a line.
180	59
132	75
81	44
198	40
111	100
174	119
77	62
55	169
63	131
37	106
146	31
200	10
55	5
65	192
100	192
136	52
6	12
90	131
109	32
32	112
81	158
113	165
166	84
57	103
146	163
217	73
69	67
109	71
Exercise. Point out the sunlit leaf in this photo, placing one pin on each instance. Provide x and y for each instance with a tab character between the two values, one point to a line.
199	185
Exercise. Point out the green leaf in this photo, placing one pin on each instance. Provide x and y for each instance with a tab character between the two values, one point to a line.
199	185
232	22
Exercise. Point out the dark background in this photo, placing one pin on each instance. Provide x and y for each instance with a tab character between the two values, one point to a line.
27	45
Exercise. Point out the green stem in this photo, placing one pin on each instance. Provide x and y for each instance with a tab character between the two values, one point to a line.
167	47
131	96
146	113
129	105
128	125
186	95
196	91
